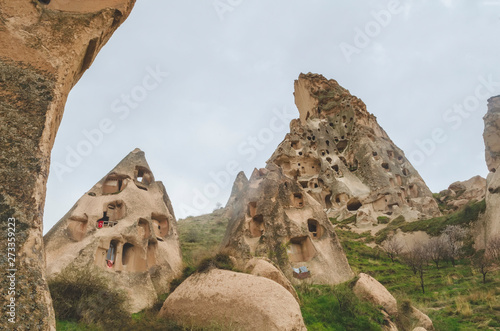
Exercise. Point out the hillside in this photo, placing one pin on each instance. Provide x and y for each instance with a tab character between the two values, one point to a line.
201	236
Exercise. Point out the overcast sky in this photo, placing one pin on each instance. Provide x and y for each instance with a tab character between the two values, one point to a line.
203	87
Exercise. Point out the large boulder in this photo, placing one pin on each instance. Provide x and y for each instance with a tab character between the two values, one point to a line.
228	299
422	320
46	48
261	267
369	289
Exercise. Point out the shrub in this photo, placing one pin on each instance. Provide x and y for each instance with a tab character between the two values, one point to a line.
85	296
383	219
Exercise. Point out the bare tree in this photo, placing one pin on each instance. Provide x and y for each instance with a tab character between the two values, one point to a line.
417	259
393	247
437	250
482	261
453	235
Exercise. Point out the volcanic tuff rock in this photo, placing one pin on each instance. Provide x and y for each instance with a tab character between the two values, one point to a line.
459	194
274	217
492	142
45	50
261	267
235	301
126	226
369	289
346	161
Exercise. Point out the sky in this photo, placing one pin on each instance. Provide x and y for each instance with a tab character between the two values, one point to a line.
205	89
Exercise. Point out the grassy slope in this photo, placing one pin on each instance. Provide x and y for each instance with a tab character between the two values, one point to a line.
201	236
455	297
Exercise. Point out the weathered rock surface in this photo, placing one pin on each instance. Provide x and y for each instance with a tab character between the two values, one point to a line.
261	267
346	161
369	289
491	226
459	194
231	300
125	225
45	50
422	320
273	216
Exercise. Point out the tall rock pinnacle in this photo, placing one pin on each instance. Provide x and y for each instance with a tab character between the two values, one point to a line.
125	226
491	135
346	161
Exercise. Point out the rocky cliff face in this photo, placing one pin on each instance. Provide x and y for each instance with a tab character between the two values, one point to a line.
491	224
45	50
342	158
124	225
273	216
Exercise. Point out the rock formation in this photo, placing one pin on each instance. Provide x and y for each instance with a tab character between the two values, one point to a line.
459	194
45	50
230	300
492	142
264	268
273	216
344	160
126	226
369	289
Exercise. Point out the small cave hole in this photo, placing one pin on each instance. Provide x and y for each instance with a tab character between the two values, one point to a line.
298	200
353	204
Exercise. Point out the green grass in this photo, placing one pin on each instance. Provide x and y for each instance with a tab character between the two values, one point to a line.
383	219
434	226
201	236
455	297
337	308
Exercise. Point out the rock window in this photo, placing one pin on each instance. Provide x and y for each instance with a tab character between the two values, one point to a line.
252	208
160	226
114	184
341	146
111	254
314	228
256	226
298	200
301	249
133	259
104	221
328	201
353	204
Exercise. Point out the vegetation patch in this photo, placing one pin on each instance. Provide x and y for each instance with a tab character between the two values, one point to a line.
201	236
455	296
383	220
84	296
337	308
435	226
